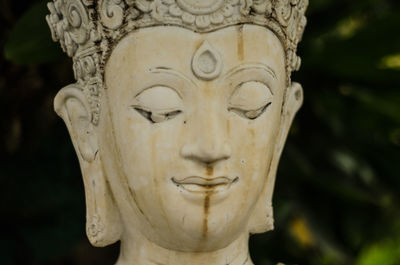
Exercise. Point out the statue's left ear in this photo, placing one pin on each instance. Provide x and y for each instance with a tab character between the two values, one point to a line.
71	105
103	225
293	102
262	218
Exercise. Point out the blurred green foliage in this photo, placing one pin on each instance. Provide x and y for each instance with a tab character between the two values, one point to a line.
337	193
29	42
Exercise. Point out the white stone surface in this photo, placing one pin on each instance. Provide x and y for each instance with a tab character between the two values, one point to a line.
180	162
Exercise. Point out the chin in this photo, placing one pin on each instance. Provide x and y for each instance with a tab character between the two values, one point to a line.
190	239
202	229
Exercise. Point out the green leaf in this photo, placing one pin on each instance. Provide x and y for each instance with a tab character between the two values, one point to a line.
385	253
29	42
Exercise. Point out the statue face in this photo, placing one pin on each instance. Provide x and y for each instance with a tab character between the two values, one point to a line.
191	123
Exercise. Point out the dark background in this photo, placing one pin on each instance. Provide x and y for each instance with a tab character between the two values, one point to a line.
338	187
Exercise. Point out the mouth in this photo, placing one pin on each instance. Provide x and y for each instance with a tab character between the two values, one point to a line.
200	185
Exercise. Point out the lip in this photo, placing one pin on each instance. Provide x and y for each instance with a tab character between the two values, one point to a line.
197	187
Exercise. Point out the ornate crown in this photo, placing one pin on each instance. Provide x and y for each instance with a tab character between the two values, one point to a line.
88	29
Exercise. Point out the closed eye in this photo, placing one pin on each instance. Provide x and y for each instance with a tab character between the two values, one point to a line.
158	104
156	117
250	114
250	99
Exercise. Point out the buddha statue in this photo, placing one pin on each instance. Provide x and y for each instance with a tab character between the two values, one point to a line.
178	116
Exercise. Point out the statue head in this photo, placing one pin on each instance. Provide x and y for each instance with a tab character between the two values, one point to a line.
179	114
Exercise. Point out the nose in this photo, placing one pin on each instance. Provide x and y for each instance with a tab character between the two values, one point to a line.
206	153
207	142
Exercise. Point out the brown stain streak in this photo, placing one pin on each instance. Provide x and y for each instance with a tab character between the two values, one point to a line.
252	133
208	91
240	47
198	44
206	212
209	171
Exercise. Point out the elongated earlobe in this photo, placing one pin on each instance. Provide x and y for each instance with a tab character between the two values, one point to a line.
103	225
262	218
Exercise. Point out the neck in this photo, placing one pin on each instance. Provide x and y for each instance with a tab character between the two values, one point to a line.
144	252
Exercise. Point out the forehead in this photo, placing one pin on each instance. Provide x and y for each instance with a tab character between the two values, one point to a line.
174	47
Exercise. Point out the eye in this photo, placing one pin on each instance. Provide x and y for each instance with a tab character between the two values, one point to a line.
250	100
250	114
157	117
158	104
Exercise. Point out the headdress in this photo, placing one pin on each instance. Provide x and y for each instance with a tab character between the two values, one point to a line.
88	29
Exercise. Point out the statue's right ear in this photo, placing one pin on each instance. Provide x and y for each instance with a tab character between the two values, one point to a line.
103	224
71	105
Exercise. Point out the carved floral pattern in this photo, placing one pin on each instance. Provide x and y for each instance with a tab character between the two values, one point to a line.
70	24
112	12
87	29
212	12
87	73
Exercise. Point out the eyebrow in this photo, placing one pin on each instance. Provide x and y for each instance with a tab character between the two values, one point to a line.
168	70
243	67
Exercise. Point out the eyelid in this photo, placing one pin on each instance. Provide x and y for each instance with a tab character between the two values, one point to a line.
160	98
250	99
250	95
157	117
158	103
251	114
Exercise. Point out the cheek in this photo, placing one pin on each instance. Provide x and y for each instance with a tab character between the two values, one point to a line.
136	146
147	150
254	143
254	154
252	140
